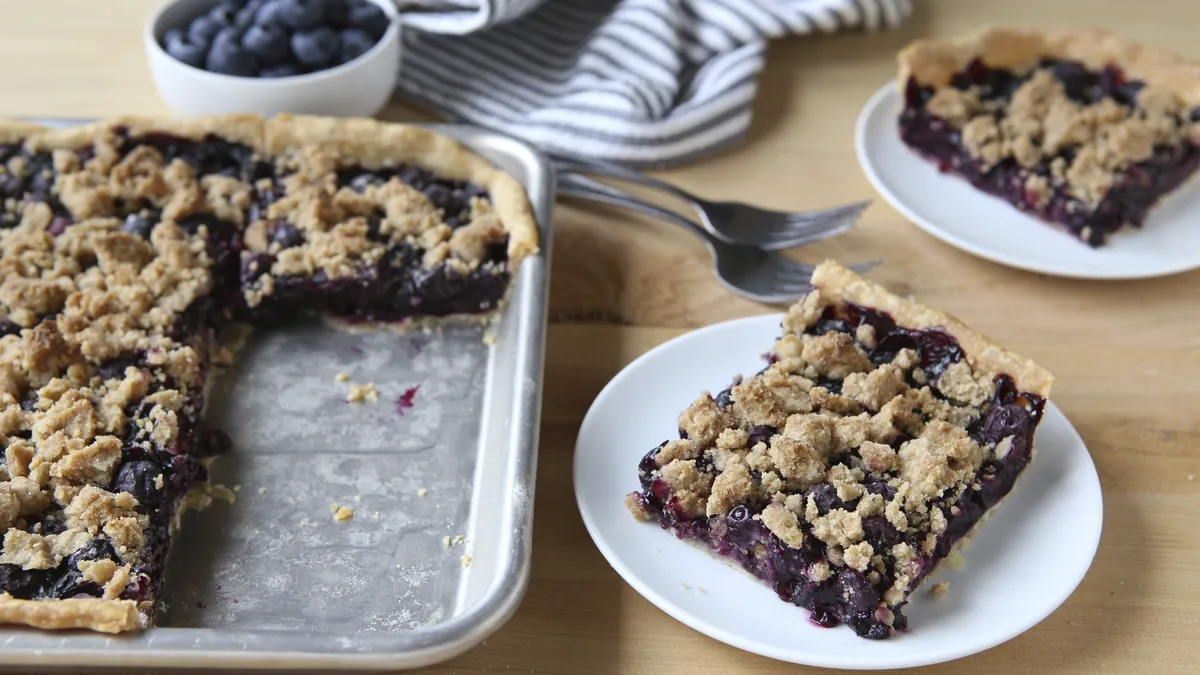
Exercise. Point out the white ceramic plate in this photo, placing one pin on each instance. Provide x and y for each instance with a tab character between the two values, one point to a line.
951	210
1022	565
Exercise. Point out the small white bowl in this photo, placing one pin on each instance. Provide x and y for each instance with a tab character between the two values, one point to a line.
359	88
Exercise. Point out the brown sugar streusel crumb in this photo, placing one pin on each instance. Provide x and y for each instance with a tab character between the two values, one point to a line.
1061	141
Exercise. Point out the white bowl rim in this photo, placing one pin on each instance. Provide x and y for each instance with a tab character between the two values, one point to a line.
389	36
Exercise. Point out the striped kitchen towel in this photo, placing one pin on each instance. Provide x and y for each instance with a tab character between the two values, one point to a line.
643	82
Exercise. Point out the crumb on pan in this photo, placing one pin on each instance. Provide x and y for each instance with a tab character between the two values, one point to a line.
360	393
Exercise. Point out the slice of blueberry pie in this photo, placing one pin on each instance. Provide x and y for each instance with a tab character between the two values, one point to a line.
1078	128
127	244
841	475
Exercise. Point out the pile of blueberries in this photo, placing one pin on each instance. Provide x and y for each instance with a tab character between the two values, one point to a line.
277	38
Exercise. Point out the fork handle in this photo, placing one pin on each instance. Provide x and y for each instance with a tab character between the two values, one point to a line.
610	170
574	185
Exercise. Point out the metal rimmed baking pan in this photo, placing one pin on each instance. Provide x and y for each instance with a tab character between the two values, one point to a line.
441	467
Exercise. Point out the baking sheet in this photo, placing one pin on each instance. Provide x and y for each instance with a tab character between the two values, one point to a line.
440	467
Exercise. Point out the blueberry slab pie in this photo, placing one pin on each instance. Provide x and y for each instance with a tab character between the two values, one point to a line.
1078	128
127	244
879	436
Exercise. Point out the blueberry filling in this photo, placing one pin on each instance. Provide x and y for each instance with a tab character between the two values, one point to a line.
1134	192
839	594
399	286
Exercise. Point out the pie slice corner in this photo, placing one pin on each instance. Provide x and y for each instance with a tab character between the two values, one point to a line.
1078	128
871	445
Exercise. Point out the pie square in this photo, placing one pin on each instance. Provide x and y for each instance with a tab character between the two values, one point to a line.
842	474
1078	128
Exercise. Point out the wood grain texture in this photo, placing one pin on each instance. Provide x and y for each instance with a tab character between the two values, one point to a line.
1126	354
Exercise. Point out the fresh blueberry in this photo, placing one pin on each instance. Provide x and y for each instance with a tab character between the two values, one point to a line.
282	70
286	235
301	14
183	48
369	17
138	225
225	14
268	43
355	43
335	12
203	29
228	57
229	35
140	479
269	12
245	15
315	48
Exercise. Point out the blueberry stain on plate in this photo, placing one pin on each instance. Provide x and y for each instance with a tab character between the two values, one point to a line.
277	38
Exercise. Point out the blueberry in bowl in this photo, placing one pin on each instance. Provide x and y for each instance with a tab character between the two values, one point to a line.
330	57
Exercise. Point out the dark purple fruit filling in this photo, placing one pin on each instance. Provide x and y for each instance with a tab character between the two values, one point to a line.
847	596
451	196
211	155
1134	193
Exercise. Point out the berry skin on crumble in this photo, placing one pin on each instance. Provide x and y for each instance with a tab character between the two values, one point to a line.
1079	128
878	436
127	244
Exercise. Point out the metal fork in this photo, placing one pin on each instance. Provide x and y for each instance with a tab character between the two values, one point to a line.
763	276
736	222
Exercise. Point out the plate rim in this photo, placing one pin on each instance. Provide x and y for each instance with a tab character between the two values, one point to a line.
877	101
706	628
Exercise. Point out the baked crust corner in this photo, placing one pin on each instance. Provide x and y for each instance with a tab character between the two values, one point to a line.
838	284
934	62
374	143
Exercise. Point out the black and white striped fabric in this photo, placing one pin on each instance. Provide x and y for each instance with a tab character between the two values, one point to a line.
643	82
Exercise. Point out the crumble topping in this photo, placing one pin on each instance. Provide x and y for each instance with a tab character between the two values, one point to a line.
1061	141
783	524
839	527
677	449
851	456
732	487
704	420
119	256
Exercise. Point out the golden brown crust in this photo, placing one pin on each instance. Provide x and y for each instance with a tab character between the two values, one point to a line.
370	143
105	616
839	284
16	131
934	62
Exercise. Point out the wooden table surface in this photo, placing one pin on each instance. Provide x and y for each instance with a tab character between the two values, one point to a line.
1126	354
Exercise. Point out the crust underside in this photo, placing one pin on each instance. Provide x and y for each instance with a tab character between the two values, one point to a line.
934	62
839	284
359	141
